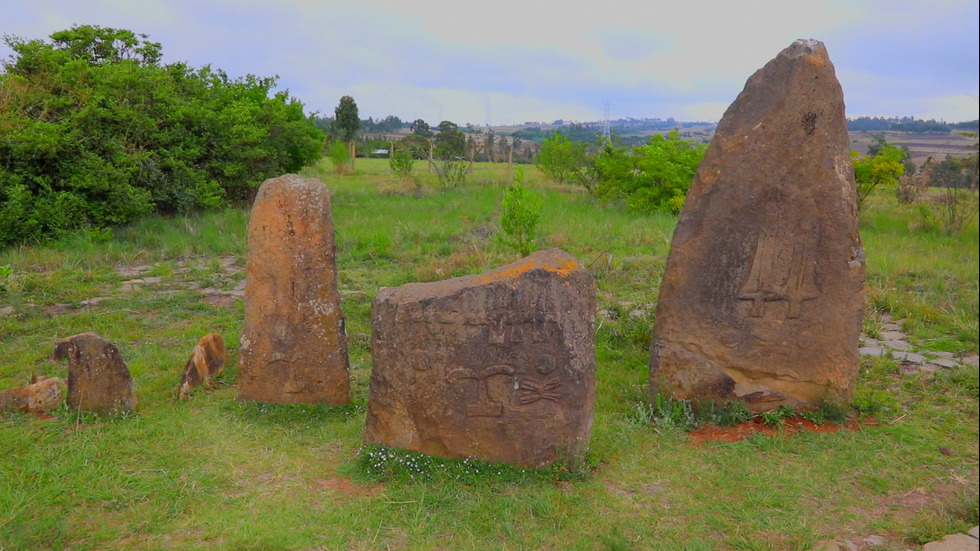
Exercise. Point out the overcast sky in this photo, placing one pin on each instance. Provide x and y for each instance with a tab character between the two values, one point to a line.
543	60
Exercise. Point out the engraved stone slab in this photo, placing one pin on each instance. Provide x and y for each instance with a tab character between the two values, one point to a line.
98	380
293	346
498	366
763	294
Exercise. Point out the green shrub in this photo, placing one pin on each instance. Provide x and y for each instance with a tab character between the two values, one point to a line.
520	212
651	178
401	162
339	155
95	131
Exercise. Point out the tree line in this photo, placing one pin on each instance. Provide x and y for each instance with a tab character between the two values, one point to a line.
909	124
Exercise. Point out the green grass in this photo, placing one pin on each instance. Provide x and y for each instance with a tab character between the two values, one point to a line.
210	473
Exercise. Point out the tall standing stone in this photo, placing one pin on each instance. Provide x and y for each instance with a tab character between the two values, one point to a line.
498	366
293	346
763	294
98	380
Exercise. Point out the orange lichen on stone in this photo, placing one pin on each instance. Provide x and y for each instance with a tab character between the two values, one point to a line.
546	261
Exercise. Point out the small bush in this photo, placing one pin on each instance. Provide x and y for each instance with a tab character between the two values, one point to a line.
401	162
339	156
520	212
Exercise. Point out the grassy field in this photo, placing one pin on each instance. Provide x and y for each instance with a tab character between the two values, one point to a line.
212	473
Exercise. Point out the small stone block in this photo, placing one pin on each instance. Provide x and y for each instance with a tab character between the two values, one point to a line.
98	380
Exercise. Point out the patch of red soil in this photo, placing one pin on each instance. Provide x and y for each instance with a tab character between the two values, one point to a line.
346	487
741	431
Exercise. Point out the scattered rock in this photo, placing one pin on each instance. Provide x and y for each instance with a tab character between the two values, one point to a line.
763	293
293	347
498	366
954	542
909	357
874	351
6	311
133	271
875	541
946	355
892	336
974	532
94	301
98	380
42	395
206	361
972	361
896	345
943	363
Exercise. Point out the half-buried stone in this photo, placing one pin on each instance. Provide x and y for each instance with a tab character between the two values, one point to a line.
498	366
763	293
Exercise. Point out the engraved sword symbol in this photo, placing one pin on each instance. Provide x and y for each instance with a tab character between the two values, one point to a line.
771	278
532	392
485	405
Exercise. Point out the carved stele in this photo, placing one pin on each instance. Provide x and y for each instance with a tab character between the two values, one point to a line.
98	380
763	294
498	366
293	346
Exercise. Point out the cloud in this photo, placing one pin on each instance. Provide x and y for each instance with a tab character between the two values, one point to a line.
535	59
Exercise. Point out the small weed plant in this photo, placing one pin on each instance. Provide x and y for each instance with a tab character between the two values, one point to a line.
777	416
519	216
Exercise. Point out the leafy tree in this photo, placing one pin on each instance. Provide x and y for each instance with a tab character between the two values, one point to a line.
346	119
882	169
559	157
421	128
450	141
94	131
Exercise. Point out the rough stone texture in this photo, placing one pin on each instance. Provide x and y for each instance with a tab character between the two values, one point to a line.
293	347
43	394
498	366
762	297
207	360
954	542
974	532
98	380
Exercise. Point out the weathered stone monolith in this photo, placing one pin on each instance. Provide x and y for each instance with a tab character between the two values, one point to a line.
98	380
206	361
763	293
293	346
498	366
42	395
